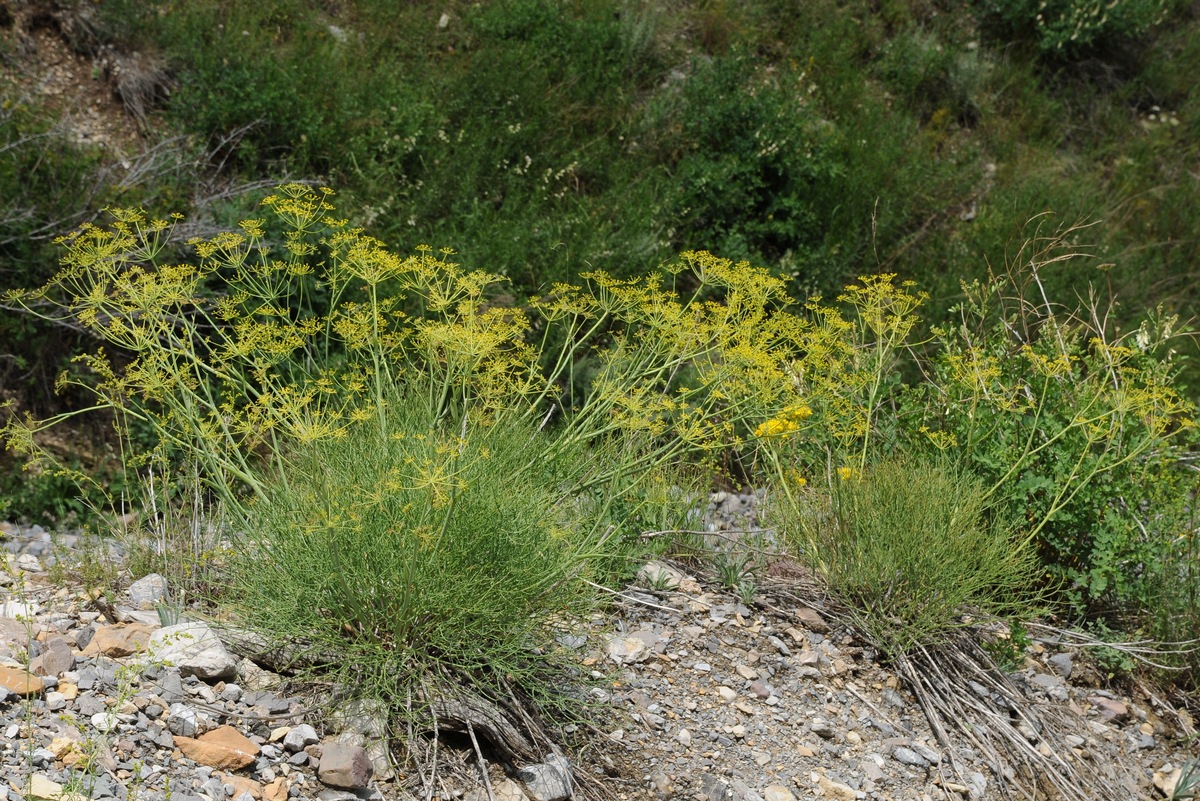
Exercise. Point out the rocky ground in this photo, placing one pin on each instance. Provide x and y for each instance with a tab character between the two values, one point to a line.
702	696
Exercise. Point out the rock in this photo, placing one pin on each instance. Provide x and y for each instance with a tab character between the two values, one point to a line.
977	785
55	660
276	790
344	766
811	619
195	650
926	753
104	722
684	737
777	792
148	591
118	640
835	790
1110	709
713	789
547	781
183	721
365	723
908	757
225	748
504	790
242	786
657	575
19	682
251	677
627	650
42	789
821	728
727	694
1063	664
300	737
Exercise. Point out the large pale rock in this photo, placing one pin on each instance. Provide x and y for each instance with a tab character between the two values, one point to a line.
15	635
194	649
19	682
118	640
148	591
42	789
343	765
225	748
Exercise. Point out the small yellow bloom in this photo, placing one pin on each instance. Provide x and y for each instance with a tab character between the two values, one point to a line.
847	473
775	427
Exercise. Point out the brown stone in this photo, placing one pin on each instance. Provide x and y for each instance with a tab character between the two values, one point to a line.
836	790
18	681
1109	708
276	790
119	639
241	785
344	766
811	619
56	659
225	748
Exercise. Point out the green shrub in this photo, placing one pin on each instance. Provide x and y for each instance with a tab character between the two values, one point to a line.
1074	27
394	556
909	545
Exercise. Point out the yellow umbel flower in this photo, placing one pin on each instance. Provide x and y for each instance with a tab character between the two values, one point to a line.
775	427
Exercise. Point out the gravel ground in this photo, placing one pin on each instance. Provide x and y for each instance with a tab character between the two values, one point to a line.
702	696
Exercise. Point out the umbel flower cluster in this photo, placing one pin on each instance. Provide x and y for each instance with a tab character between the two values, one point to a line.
299	328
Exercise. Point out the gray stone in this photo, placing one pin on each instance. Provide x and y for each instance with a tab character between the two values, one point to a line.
1063	664
88	705
194	648
344	766
268	701
927	753
170	687
300	737
713	789
336	795
183	721
740	791
547	781
977	785
148	591
87	677
909	757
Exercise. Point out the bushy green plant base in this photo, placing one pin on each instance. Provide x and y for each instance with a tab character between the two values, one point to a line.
389	557
908	545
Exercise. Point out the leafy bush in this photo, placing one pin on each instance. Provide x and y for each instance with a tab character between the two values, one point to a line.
909	545
1076	432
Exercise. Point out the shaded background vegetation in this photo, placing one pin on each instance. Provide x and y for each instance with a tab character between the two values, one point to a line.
538	138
